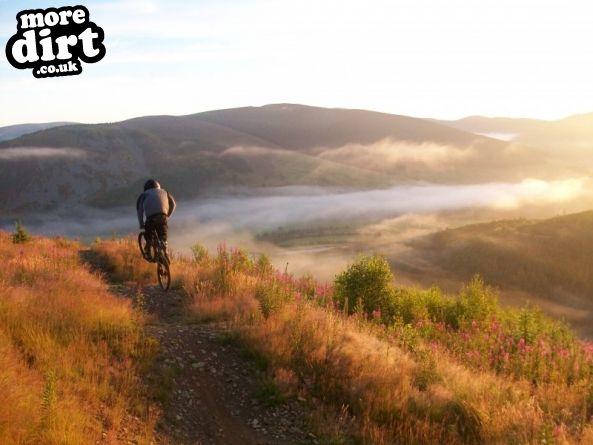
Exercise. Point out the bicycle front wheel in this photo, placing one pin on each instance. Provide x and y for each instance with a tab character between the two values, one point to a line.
163	274
142	243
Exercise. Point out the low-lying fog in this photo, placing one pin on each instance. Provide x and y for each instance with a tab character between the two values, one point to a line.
402	210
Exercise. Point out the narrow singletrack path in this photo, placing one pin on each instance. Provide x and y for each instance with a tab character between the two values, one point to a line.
209	389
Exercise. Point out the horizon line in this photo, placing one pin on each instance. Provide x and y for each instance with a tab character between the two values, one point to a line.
483	116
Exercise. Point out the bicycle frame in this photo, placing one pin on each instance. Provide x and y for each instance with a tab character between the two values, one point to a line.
158	255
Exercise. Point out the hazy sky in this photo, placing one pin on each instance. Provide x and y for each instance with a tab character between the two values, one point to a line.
433	58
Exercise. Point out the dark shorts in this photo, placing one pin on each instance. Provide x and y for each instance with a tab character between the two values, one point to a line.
158	224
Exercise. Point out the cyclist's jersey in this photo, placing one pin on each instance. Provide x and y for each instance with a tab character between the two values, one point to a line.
154	202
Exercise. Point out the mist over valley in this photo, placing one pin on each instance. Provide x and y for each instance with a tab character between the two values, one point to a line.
308	186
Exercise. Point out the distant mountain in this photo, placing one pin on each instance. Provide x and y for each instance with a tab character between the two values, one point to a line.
548	262
573	132
493	125
14	131
300	127
275	145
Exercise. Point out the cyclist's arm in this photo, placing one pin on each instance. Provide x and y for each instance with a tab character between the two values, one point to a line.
140	209
172	204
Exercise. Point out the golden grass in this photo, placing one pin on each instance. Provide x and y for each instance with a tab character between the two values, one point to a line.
70	351
390	392
123	262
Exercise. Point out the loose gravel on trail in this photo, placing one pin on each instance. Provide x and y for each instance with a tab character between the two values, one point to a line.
211	392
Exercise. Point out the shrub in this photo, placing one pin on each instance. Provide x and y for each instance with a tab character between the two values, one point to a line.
20	234
199	252
307	287
264	265
271	296
367	282
240	260
476	302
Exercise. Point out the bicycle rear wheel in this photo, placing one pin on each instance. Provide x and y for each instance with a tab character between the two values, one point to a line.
163	273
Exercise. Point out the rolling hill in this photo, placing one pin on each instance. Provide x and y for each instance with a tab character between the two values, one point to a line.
565	136
275	145
547	262
14	131
501	125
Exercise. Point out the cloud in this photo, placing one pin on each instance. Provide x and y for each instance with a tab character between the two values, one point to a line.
288	206
536	191
387	154
256	211
405	227
390	216
252	151
143	7
18	153
498	135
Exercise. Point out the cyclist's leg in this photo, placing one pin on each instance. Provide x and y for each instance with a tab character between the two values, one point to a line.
149	235
162	228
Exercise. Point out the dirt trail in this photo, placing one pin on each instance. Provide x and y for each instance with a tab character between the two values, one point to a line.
208	387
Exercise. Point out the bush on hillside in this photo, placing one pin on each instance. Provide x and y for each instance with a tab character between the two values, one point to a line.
199	253
366	284
20	234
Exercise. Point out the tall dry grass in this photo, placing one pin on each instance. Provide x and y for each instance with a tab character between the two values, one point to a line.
70	351
400	382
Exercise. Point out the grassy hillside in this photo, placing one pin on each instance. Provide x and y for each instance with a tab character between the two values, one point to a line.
381	364
274	145
548	259
71	353
374	362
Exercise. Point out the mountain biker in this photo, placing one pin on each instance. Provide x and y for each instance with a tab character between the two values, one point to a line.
158	205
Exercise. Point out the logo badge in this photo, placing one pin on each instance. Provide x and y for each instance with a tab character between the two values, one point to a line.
54	41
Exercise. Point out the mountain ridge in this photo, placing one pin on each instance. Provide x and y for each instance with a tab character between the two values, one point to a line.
274	145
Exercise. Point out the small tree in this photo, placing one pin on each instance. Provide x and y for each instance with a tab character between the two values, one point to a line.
367	282
20	234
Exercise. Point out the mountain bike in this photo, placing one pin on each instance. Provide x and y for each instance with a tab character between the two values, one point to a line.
157	254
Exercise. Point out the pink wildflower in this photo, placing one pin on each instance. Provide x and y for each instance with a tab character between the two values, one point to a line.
563	352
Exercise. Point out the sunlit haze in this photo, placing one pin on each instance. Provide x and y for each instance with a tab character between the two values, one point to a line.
432	58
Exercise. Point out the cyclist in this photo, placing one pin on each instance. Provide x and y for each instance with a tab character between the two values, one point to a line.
158	205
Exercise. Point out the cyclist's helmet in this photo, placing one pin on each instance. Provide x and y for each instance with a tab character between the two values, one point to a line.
151	184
